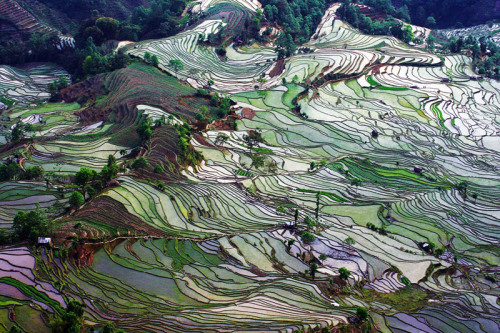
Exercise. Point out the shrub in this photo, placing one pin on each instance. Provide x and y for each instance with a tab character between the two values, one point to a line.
30	225
76	199
362	313
158	169
307	237
344	273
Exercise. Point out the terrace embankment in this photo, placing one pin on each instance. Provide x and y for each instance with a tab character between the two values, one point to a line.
108	213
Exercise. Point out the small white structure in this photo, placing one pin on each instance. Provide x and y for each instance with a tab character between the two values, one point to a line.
44	240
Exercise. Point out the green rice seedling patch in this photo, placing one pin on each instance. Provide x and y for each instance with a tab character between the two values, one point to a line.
381	87
243	173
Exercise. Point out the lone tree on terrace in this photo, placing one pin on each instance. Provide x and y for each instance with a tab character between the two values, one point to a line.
344	273
140	164
176	65
76	199
83	176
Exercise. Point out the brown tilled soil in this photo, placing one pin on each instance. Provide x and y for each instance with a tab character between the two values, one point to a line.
247	113
278	68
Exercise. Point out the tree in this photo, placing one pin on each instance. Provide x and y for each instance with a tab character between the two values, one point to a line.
257	161
356	182
252	139
76	199
431	22
15	329
344	273
350	241
309	222
154	60
109	172
281	210
200	117
176	65
30	225
289	244
431	42
70	320
307	237
83	176
108	26
161	186
111	160
18	131
144	129
313	268
147	57
140	164
158	169
221	139
296	215
322	257
109	328
362	313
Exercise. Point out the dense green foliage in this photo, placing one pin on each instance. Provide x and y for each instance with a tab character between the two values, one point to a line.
437	13
13	171
298	18
485	53
159	20
30	225
351	14
451	13
76	199
70	321
188	155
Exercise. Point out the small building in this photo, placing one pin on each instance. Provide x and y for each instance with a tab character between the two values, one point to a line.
44	241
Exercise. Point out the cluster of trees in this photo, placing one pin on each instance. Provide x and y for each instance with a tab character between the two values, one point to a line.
68	320
19	130
100	29
13	171
435	13
350	13
188	155
89	56
56	87
298	18
86	59
161	19
92	182
33	47
485	53
373	227
28	226
450	14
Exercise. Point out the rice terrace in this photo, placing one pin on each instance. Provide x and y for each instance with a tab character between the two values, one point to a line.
245	166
